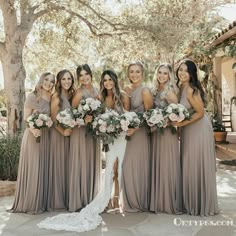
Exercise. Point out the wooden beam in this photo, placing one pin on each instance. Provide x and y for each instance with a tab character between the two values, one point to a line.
223	37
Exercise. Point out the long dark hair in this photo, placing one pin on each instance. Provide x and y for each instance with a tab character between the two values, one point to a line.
116	89
194	81
71	90
83	67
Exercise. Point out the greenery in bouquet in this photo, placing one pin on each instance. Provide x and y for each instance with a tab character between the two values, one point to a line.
39	120
65	119
106	127
155	119
177	113
130	120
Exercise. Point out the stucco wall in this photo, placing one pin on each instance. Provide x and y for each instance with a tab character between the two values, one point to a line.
228	83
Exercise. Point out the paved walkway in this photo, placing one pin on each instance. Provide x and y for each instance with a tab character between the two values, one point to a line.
142	224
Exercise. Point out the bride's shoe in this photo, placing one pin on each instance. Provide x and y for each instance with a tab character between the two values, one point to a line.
115	206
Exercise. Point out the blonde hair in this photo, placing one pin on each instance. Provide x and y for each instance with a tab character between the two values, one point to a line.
170	85
136	63
38	88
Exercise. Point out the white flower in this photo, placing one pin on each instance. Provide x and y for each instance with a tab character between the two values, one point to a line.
173	117
102	128
31	124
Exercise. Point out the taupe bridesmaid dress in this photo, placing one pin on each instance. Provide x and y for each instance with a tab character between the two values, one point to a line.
58	168
84	165
32	179
135	179
166	184
199	165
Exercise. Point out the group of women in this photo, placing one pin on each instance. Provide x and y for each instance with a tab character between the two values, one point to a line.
154	173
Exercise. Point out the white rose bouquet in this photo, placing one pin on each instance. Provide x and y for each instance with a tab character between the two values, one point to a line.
87	106
106	127
65	119
176	112
39	120
78	117
155	119
130	120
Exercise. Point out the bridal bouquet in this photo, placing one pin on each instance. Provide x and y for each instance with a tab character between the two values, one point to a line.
176	112
78	117
66	118
130	120
38	121
106	127
154	118
88	106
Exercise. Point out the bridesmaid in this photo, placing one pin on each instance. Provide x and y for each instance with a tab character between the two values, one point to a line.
197	147
60	141
166	176
32	179
136	165
117	100
84	158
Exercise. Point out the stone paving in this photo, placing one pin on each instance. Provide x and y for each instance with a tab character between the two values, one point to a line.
140	224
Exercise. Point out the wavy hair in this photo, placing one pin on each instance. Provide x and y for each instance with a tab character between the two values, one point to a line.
194	81
39	86
117	96
170	84
58	88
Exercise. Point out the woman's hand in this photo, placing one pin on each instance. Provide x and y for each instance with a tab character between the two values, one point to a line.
88	119
177	124
35	132
67	132
153	129
130	131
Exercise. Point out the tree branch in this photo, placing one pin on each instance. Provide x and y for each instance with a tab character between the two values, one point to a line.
115	26
9	16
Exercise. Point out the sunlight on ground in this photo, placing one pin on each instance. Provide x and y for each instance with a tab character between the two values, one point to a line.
4	217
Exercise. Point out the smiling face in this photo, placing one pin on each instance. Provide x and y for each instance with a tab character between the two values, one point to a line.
183	74
135	74
163	75
66	81
48	83
108	83
85	78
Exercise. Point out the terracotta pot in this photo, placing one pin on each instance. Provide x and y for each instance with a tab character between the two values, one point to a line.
220	136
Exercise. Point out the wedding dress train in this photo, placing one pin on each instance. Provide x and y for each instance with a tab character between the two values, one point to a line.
88	218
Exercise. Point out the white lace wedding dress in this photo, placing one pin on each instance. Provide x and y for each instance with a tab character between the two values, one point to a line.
88	218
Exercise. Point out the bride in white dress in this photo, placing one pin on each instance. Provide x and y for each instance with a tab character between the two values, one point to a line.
88	218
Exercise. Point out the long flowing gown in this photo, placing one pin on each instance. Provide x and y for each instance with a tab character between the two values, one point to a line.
58	168
88	218
135	180
32	179
199	165
84	165
166	184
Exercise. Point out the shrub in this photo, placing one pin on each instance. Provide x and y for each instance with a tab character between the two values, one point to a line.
218	126
9	156
3	112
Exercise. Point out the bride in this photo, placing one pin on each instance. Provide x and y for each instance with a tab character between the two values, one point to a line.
88	218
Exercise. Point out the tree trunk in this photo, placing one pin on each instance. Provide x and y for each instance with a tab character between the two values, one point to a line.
14	78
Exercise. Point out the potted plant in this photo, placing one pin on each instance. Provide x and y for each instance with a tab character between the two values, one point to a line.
219	131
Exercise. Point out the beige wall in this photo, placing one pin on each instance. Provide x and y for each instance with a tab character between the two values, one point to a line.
228	83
